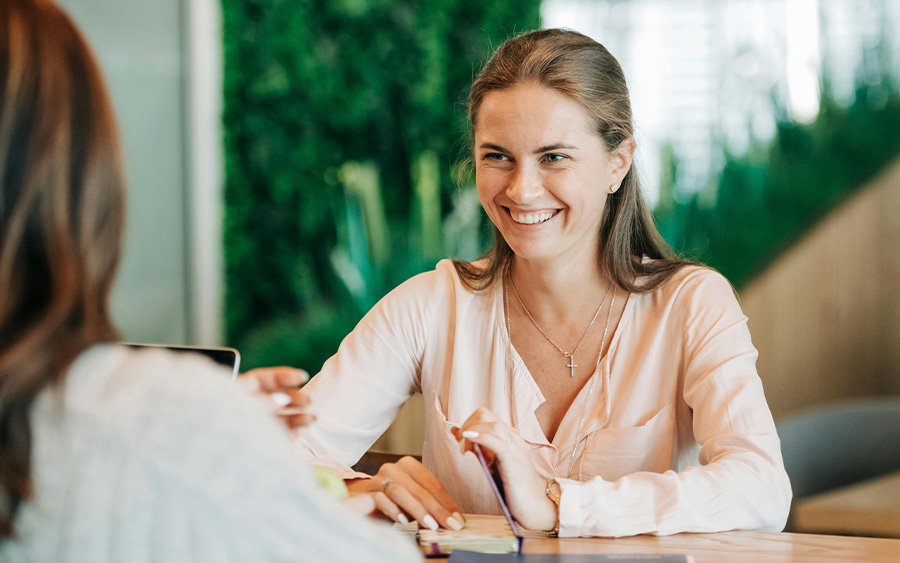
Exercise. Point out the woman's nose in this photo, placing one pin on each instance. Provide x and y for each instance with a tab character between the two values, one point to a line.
525	185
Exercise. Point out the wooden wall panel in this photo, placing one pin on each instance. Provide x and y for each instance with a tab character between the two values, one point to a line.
889	374
826	316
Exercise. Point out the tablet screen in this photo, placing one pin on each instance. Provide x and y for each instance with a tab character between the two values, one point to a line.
228	357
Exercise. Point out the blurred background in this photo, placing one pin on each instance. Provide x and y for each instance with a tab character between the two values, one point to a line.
291	161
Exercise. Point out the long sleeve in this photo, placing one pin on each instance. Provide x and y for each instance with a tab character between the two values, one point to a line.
377	367
740	482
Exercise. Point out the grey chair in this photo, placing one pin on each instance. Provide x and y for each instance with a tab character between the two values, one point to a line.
839	444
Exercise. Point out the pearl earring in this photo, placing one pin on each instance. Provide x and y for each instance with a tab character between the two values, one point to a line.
613	188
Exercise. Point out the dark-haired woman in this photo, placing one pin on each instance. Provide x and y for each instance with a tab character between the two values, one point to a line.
614	383
109	454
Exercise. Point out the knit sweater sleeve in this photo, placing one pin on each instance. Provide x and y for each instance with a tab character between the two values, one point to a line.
167	460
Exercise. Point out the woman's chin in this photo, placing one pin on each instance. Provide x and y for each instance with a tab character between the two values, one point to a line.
533	252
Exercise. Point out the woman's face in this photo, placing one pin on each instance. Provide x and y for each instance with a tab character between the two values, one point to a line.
543	174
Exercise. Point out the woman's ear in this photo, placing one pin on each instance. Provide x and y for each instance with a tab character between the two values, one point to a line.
621	159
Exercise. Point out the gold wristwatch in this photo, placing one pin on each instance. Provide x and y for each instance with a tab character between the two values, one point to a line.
553	490
554	493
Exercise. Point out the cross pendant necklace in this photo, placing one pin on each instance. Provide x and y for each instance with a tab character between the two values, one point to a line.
569	356
572	365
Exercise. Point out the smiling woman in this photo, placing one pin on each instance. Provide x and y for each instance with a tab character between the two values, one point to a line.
613	384
572	78
539	172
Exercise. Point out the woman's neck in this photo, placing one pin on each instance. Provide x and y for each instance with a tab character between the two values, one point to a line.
566	290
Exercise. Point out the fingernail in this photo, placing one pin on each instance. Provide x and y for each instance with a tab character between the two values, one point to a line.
402	519
470	434
280	399
430	522
460	517
454	524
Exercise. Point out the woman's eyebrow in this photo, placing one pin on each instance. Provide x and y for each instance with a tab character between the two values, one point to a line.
548	148
493	147
555	147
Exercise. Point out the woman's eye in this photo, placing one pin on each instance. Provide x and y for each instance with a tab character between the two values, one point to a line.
553	157
495	156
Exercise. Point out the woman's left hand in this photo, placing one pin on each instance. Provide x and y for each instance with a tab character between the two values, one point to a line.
524	488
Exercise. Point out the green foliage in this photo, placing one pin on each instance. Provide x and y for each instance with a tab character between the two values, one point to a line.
769	197
344	127
343	120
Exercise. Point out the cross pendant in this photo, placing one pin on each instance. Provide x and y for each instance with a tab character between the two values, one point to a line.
571	365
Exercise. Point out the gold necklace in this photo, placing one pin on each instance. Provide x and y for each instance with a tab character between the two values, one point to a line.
569	356
591	389
587	399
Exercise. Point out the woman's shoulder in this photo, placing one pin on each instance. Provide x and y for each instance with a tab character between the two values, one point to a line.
693	283
424	304
702	297
443	283
181	414
122	391
695	275
177	432
113	372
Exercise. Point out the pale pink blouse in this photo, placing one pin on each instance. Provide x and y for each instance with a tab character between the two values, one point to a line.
678	436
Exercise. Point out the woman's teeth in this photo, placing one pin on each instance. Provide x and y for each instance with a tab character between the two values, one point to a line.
531	218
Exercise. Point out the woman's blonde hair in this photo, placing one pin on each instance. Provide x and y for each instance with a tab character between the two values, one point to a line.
582	69
61	215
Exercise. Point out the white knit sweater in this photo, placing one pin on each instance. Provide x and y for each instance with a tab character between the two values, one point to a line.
144	456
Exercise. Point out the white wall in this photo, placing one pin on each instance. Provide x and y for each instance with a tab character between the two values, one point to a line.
155	57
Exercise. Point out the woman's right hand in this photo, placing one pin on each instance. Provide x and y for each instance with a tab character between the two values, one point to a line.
281	385
412	490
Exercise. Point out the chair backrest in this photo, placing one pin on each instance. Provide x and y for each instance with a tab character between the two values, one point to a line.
371	461
840	444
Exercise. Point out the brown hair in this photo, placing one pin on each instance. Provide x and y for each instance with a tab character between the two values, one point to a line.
61	214
581	68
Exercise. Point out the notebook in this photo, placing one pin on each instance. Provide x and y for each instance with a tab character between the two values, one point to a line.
485	534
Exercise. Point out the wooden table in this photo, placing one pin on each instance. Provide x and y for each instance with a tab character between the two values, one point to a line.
870	508
741	546
735	547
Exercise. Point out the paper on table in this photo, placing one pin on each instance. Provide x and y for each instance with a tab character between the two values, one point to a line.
484	533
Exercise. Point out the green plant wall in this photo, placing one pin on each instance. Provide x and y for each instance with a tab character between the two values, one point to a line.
769	197
343	123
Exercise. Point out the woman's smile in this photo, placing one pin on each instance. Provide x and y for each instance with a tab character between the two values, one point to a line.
534	217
